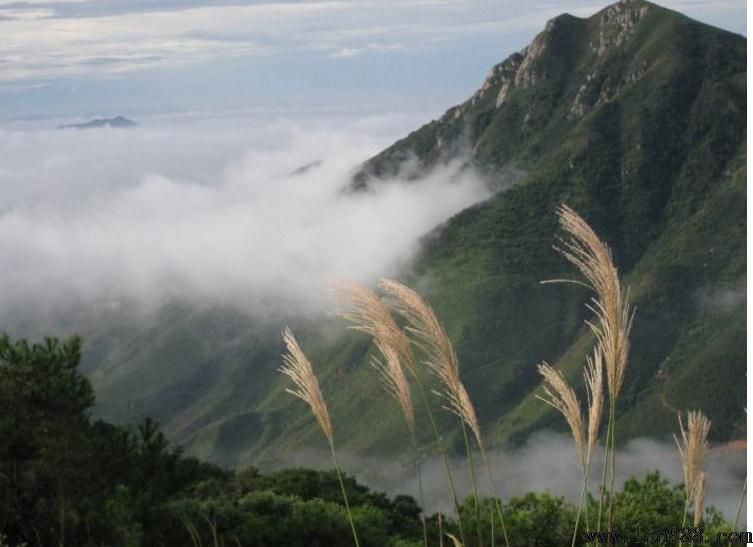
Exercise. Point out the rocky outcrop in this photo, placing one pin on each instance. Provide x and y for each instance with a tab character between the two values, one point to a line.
617	25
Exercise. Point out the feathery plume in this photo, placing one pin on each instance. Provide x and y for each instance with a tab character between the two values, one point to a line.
692	445
431	338
395	383
614	315
371	316
559	395
298	368
593	375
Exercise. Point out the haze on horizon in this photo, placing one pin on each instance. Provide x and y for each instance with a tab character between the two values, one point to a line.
82	58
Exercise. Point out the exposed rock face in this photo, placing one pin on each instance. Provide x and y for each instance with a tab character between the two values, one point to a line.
571	69
617	26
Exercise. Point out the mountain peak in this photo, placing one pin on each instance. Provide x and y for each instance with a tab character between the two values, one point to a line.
609	28
618	22
118	121
571	71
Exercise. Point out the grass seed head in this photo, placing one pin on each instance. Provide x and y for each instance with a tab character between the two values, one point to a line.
431	338
298	368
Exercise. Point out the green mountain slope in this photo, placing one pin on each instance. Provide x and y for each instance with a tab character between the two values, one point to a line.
636	118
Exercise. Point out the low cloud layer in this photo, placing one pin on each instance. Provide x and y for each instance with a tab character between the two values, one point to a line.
211	213
546	462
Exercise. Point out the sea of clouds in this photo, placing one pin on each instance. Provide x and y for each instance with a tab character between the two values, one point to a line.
206	210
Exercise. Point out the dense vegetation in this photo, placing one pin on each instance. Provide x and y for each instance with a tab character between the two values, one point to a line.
68	480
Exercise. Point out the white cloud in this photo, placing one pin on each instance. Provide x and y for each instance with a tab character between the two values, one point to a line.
49	40
36	46
202	212
545	463
346	52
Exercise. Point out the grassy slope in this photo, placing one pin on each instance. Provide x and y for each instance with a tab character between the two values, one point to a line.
656	163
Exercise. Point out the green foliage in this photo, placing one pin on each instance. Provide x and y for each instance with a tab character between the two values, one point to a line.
645	506
648	505
65	480
540	519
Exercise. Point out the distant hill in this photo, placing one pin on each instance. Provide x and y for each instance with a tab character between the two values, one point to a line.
118	121
635	117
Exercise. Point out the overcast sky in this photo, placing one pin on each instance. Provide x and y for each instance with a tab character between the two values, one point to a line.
87	57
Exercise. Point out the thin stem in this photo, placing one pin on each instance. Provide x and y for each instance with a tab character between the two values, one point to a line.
497	501
580	505
603	483
195	537
585	506
477	510
443	452
613	462
345	496
684	516
491	519
212	527
739	508
441	533
420	487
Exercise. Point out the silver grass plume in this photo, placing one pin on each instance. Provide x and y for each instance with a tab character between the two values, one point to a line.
431	338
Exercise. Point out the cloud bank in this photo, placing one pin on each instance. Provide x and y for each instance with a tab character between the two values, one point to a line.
105	38
546	462
210	213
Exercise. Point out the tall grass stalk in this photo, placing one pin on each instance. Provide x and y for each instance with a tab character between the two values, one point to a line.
417	461
612	464
190	528
441	533
497	502
613	317
371	316
396	384
491	519
298	368
700	496
430	337
603	481
692	446
474	488
561	396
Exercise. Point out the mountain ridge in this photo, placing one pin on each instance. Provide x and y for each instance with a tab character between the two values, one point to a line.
634	116
118	122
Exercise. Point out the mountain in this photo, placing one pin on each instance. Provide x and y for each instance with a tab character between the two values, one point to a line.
635	117
118	121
